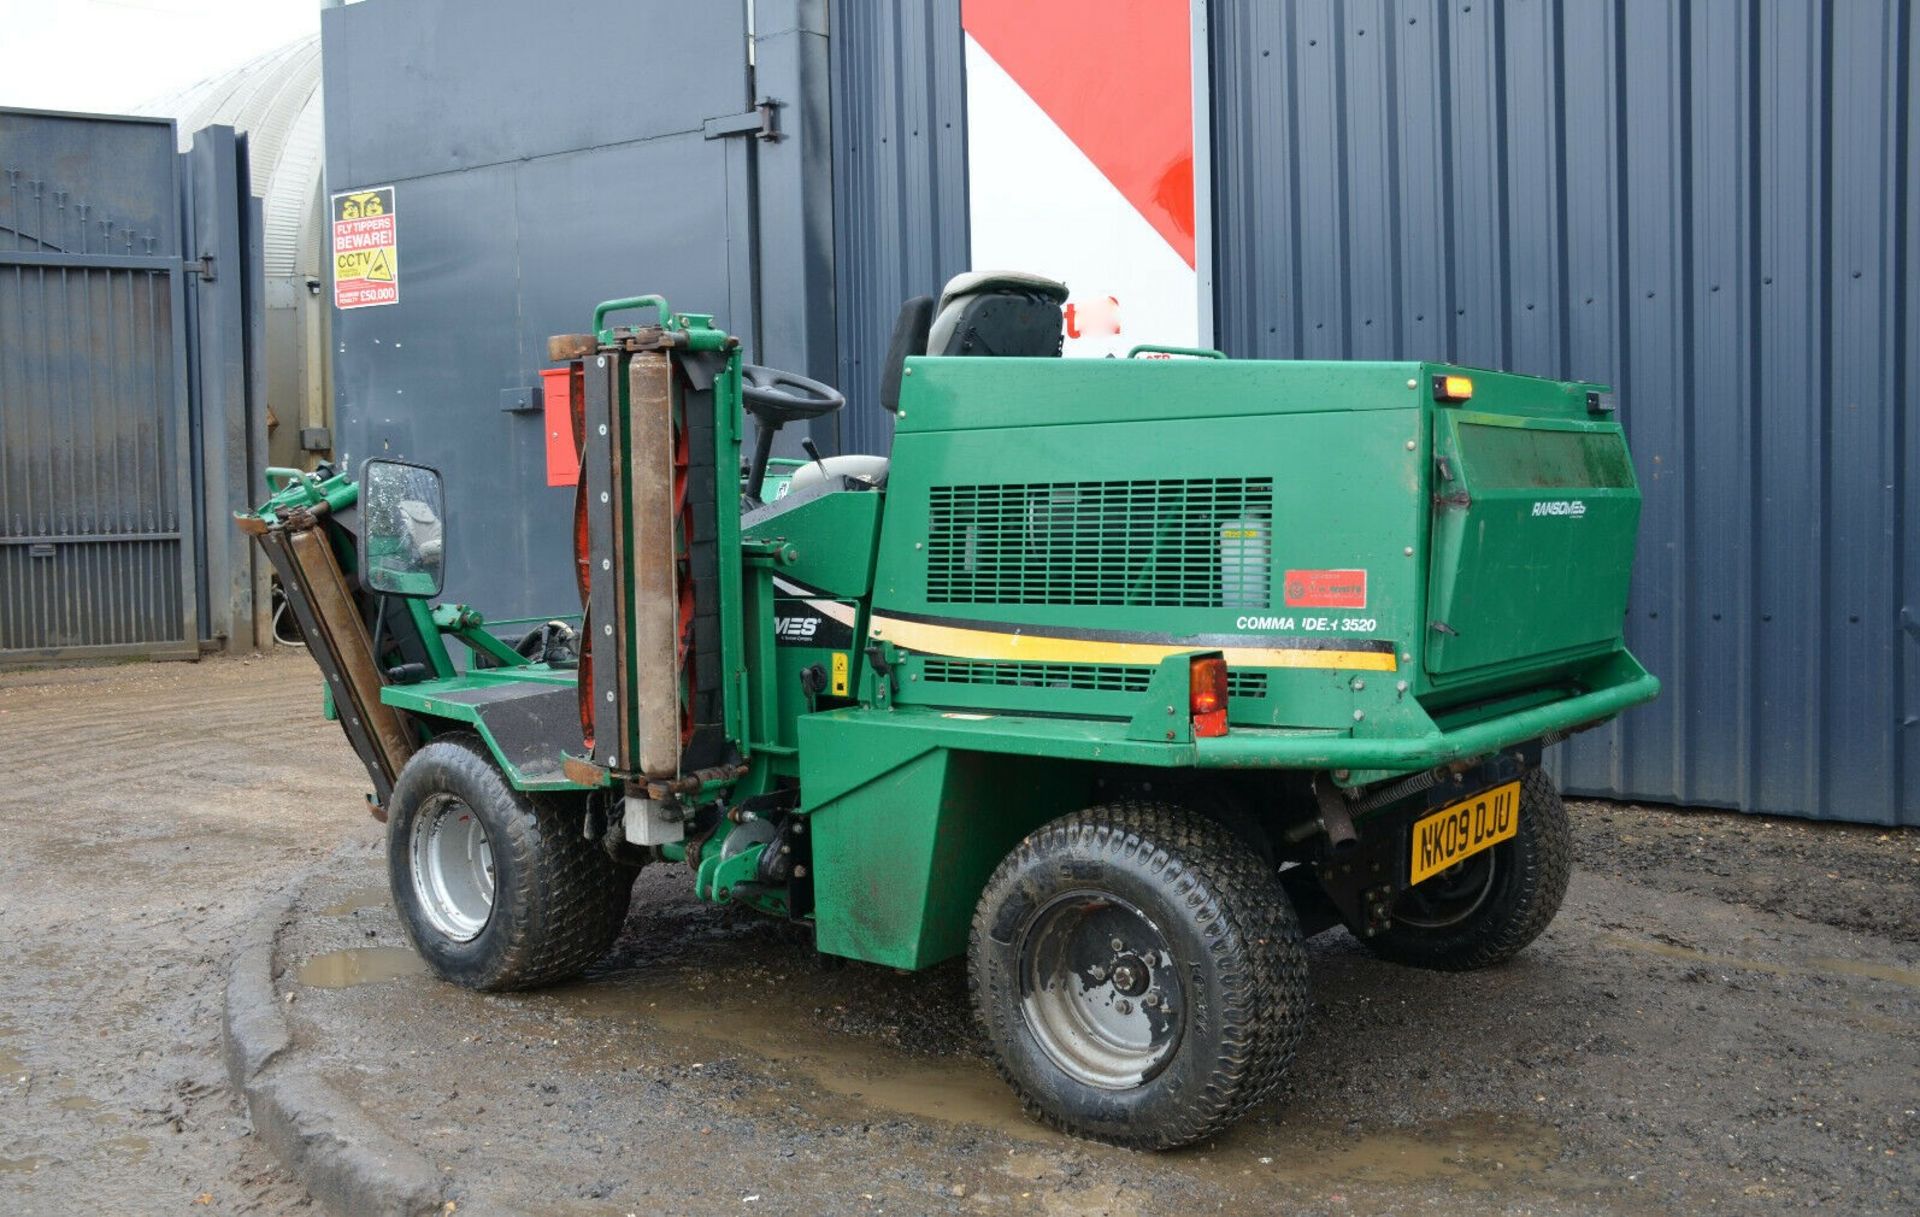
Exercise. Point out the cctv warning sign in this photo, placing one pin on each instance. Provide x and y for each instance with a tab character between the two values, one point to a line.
366	249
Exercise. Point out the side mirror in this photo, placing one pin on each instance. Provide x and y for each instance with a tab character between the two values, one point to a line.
402	543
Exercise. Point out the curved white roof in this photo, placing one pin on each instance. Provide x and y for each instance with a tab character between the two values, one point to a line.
275	99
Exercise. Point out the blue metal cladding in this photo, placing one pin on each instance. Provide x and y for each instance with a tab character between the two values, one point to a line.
900	183
1711	206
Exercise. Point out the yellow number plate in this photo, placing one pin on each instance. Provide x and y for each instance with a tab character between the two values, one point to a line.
1464	829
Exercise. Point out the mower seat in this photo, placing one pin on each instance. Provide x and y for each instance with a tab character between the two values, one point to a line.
867	470
980	313
999	312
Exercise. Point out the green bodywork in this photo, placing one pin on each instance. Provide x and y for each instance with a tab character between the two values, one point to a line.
1395	581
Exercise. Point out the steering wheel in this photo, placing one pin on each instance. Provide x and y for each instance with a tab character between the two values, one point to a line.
784	397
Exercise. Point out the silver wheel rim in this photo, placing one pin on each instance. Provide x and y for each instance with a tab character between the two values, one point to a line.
1099	990
1449	897
452	864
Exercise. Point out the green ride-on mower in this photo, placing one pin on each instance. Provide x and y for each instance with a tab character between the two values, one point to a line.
1120	677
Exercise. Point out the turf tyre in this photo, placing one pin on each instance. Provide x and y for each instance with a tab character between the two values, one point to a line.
1233	941
558	900
1529	882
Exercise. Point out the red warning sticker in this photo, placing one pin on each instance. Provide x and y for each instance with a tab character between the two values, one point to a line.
1327	588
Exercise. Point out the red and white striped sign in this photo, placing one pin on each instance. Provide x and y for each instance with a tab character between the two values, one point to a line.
1080	160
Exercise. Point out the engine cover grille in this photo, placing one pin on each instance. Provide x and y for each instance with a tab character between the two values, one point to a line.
1153	543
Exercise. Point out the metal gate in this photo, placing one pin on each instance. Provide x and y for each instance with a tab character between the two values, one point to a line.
95	516
129	388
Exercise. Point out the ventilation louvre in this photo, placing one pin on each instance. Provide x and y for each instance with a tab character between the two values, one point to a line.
1159	543
1096	678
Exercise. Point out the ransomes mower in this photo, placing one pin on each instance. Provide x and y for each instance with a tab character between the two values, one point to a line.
1119	677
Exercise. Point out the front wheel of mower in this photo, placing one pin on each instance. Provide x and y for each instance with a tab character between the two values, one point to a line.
1483	910
497	888
1139	974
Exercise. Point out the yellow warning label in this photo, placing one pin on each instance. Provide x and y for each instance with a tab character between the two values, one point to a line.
365	203
839	687
366	248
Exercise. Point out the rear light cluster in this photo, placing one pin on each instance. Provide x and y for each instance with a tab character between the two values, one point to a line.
1207	695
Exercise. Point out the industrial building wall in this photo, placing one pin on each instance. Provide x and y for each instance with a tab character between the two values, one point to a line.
899	183
1711	206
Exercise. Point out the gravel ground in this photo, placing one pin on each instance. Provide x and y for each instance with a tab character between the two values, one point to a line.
1725	1018
148	811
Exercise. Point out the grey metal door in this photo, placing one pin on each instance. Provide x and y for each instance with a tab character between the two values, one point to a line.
96	554
595	174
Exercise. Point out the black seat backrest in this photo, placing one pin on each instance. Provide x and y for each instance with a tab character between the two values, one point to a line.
909	338
999	313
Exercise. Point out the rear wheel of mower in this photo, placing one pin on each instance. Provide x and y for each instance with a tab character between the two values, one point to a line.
1483	910
1139	974
496	887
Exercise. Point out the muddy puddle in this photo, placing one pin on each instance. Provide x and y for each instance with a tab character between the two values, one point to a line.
11	1066
1472	1150
714	1019
1824	966
360	966
853	1074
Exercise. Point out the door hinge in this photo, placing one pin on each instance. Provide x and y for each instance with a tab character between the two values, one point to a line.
762	123
201	266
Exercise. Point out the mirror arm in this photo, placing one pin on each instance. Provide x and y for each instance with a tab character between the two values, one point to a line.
426	624
379	625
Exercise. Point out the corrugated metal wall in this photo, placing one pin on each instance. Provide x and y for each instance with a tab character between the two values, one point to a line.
1713	207
899	183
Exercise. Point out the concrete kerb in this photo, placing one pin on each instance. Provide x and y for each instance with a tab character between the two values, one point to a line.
333	1148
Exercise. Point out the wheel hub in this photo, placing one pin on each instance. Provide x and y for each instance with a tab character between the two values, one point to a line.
452	867
1451	896
1131	976
1099	990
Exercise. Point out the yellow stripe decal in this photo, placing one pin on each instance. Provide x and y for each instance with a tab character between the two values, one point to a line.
963	643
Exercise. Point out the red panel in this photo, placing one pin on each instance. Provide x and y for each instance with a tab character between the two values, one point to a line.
1117	76
563	449
1326	588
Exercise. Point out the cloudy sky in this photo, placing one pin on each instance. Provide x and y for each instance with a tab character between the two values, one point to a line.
112	55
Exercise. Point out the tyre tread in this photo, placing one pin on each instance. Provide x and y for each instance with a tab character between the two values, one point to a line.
580	894
1521	913
1254	935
